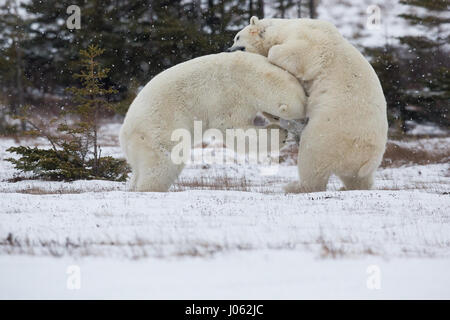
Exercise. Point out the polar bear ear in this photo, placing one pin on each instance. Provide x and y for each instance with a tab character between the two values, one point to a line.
283	108
254	20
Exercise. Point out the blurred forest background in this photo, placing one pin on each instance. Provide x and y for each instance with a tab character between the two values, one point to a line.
142	38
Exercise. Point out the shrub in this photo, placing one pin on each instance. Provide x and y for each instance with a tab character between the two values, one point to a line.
75	152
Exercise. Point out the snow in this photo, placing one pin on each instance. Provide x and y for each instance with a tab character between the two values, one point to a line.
242	275
250	241
204	222
417	129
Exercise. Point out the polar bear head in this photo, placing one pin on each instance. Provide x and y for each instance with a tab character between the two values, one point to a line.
251	38
261	34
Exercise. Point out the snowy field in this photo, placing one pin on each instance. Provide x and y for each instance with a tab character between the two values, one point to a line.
229	232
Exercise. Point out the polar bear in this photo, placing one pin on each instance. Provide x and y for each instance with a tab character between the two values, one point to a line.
222	90
347	130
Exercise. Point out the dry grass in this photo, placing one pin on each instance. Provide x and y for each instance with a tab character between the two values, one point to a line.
40	191
227	183
212	183
136	248
395	155
34	190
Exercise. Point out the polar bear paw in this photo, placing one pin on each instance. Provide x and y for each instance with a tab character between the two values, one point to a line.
293	187
297	187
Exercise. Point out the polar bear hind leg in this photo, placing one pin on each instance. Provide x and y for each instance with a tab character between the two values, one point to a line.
153	170
156	178
358	183
363	179
313	175
156	171
133	180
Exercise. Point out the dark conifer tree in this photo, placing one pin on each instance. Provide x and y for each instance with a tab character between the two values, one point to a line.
427	61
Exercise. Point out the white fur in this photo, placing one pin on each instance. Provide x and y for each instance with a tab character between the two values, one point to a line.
347	130
225	90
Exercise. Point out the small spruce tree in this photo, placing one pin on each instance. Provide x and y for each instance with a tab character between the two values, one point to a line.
75	152
91	103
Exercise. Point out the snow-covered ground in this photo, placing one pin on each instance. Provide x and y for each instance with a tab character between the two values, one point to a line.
266	274
248	240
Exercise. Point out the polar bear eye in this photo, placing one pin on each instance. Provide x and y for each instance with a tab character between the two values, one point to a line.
237	38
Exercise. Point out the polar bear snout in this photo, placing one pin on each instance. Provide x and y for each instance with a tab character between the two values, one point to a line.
287	112
235	48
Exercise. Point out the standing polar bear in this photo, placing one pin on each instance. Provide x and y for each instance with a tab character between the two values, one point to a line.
347	130
222	90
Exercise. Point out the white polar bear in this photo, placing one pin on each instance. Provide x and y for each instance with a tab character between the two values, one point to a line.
224	91
347	130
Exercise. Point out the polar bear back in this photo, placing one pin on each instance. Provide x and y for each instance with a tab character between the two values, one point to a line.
208	87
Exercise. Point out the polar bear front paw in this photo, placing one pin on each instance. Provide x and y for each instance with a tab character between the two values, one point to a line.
297	187
293	187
